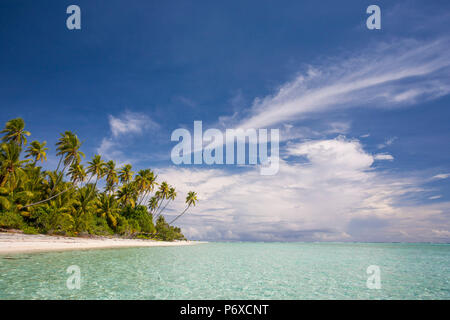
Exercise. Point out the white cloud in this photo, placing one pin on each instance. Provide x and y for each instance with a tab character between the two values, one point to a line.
122	128
130	123
442	233
186	101
337	194
316	200
383	156
374	78
110	149
435	197
330	154
336	188
387	143
441	176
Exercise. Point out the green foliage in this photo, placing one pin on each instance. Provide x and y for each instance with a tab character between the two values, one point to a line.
99	226
63	202
139	218
11	220
48	220
29	230
167	232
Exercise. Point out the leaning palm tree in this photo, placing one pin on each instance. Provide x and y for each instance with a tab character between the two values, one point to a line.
96	168
141	181
68	147
153	204
145	183
55	184
171	195
37	150
77	173
191	199
15	132
61	145
125	174
162	193
55	181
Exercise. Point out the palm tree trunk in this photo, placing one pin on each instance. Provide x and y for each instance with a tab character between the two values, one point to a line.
59	163
161	211
159	205
95	185
143	197
52	197
179	215
156	233
64	169
89	180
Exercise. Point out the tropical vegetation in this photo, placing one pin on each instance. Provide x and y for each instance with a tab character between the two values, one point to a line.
69	201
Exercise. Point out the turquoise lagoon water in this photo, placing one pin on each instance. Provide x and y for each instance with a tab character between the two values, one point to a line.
233	271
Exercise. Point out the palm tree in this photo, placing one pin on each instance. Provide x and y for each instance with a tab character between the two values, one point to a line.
111	176
84	204
77	173
37	151
11	165
191	199
61	144
162	194
153	204
55	183
127	194
171	195
64	203
10	199
5	201
96	168
68	147
125	174
108	207
35	181
15	132
141	181
145	182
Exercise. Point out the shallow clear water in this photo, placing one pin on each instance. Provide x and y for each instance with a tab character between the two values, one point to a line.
233	271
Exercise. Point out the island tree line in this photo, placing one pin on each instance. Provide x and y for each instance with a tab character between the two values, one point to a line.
68	200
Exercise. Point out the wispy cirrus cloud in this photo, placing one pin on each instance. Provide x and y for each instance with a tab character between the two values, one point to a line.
337	189
387	143
441	176
130	123
123	127
384	76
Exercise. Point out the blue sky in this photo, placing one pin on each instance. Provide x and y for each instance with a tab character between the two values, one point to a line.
363	114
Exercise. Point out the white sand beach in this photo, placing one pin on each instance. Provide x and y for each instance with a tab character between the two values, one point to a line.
24	243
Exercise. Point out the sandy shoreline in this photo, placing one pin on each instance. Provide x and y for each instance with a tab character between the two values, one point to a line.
25	243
